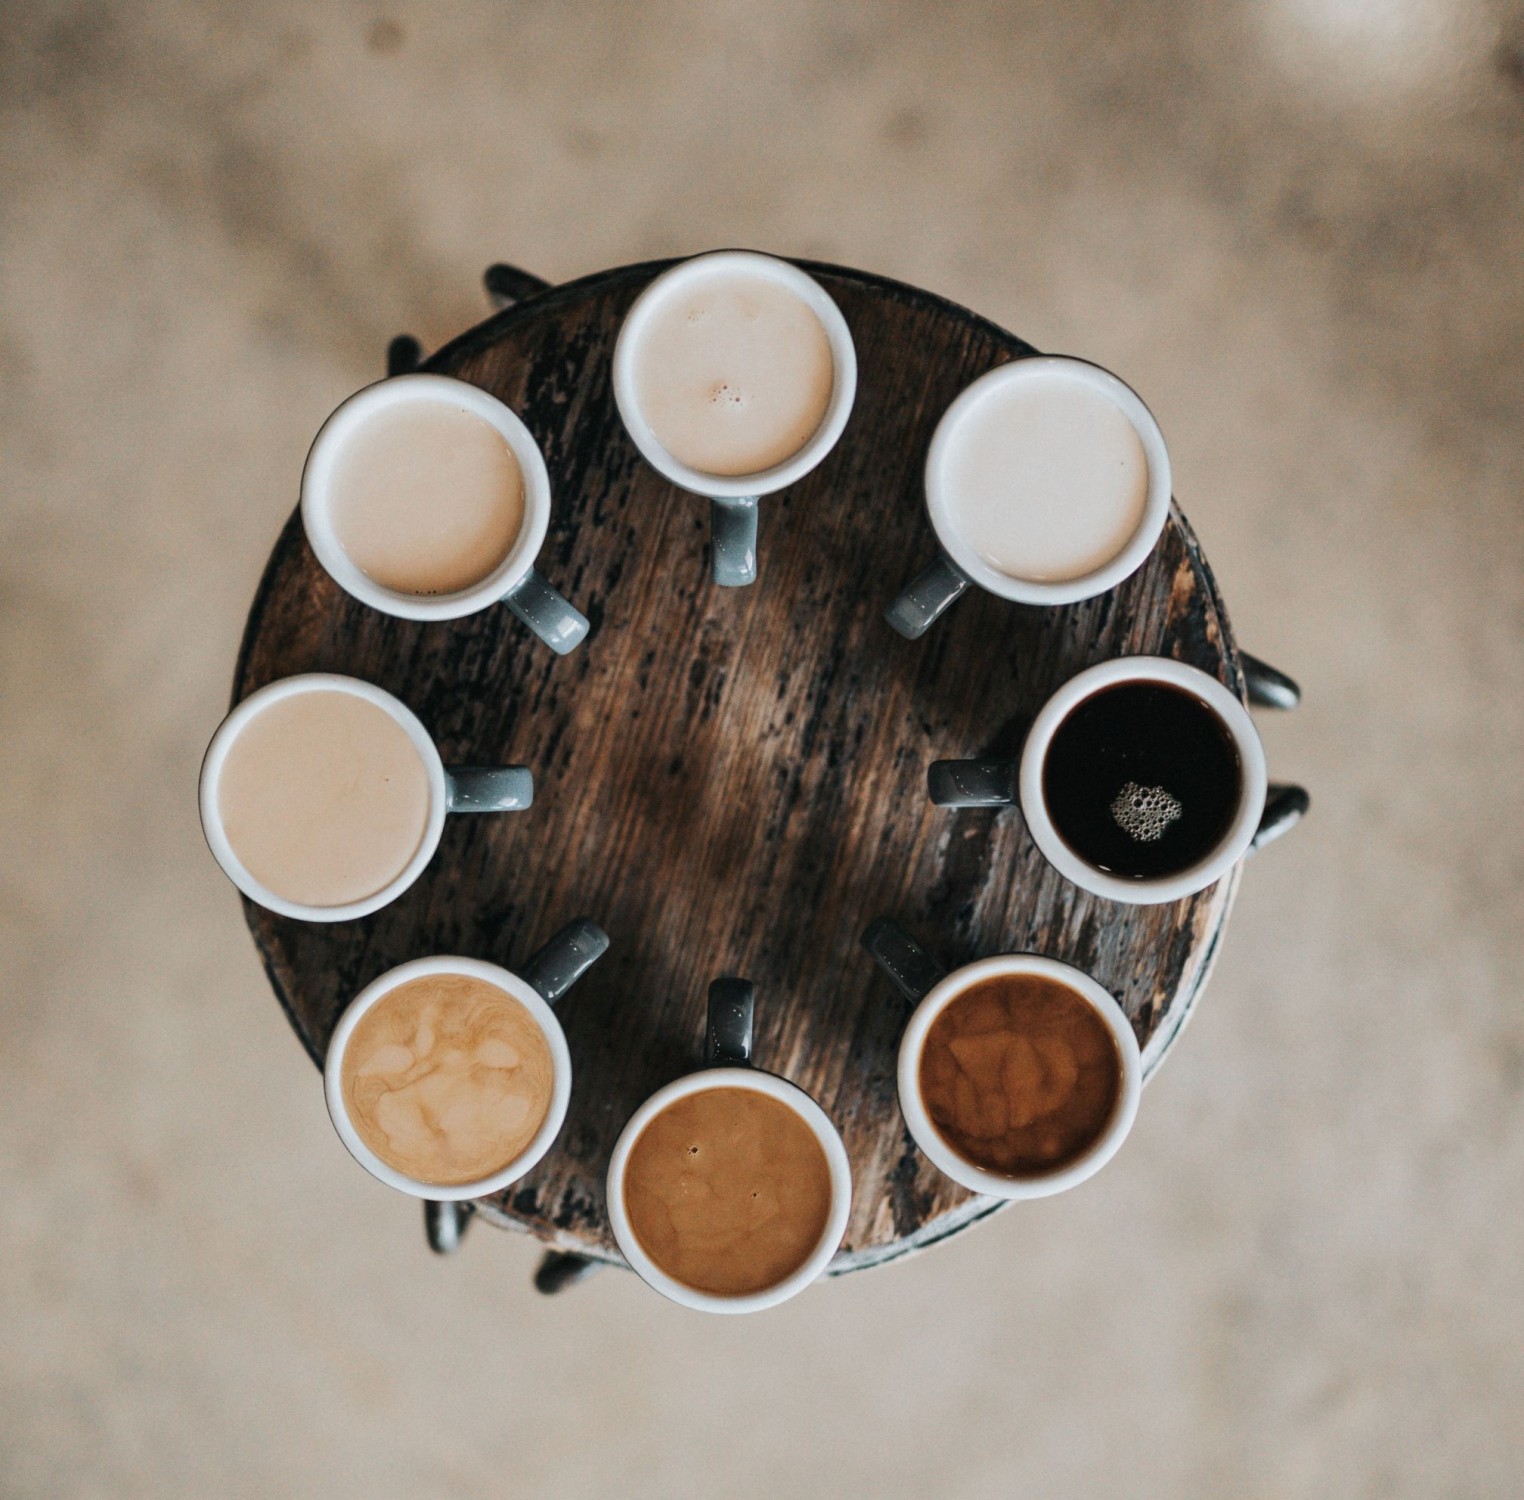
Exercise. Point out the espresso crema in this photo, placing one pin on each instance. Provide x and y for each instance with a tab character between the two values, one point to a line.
728	1191
1019	1074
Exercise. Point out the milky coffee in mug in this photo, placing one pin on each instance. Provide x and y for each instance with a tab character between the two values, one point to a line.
734	374
449	1077
729	1189
428	498
1047	481
323	796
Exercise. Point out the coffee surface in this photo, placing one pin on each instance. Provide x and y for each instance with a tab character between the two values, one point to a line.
733	373
1142	780
1019	1074
324	797
728	1191
426	498
447	1078
1045	478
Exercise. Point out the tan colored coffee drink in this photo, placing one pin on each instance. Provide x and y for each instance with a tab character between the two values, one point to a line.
447	1079
426	498
734	373
323	797
728	1191
1019	1074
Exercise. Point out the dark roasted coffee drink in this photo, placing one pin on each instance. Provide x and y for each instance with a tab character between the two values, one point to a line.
1142	780
1020	1075
728	1190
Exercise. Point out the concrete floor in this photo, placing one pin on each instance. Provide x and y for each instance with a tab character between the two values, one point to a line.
1295	226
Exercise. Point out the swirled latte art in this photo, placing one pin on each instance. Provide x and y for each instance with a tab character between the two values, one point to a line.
447	1079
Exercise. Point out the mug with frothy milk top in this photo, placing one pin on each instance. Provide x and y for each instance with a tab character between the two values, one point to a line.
734	373
1019	1076
729	1190
448	1078
323	797
428	498
1047	481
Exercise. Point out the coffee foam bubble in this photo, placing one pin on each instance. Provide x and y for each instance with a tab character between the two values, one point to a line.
1145	813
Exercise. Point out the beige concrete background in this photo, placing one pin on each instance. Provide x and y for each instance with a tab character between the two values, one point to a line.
1294	225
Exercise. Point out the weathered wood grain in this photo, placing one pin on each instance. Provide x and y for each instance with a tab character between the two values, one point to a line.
733	781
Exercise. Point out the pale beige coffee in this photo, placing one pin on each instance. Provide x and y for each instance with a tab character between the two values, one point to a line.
1046	478
728	1191
323	797
734	373
447	1079
426	498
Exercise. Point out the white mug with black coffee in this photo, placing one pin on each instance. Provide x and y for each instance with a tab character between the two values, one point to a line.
1047	481
427	498
1141	779
323	797
735	374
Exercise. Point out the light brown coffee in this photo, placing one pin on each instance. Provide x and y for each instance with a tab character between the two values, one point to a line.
728	1191
734	373
324	797
426	498
1020	1075
447	1079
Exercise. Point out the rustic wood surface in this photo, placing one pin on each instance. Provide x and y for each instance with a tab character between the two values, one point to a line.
733	781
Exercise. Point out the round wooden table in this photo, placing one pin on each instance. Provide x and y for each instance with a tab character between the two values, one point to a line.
733	781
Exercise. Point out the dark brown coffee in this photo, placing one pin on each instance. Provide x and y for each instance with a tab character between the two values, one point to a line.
728	1191
1142	780
1020	1075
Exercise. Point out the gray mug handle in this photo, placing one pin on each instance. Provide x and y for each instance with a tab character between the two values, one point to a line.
727	1038
478	789
913	971
559	624
1285	806
972	783
733	540
926	596
565	959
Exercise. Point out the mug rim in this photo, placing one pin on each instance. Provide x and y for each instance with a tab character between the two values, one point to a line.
1155	506
935	1147
1251	792
843	378
837	1163
493	974
233	725
441	390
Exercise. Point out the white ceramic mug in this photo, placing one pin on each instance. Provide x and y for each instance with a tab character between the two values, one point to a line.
930	988
514	580
452	789
728	1066
733	498
929	594
546	977
996	783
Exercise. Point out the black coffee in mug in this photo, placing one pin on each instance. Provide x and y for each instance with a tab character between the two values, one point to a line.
1142	780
